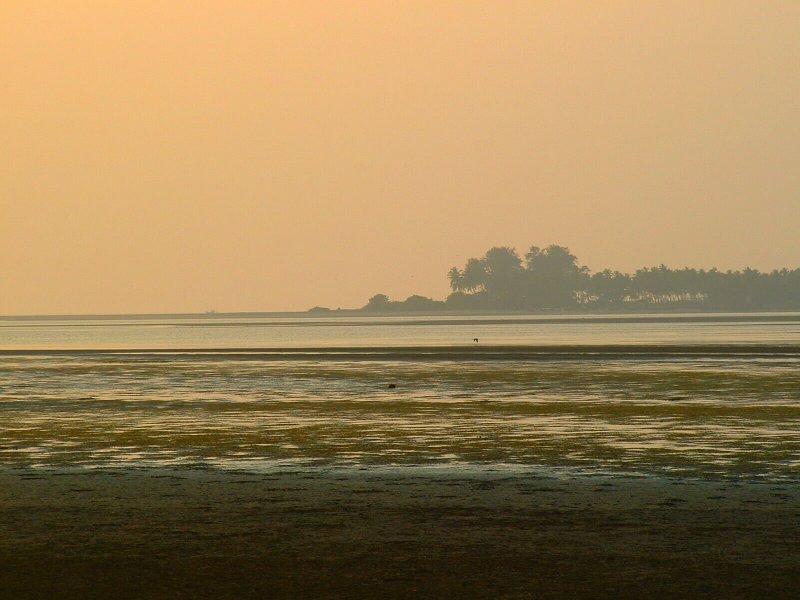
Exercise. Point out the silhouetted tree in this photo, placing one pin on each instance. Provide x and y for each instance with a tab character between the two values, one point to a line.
473	277
378	302
417	302
456	279
609	287
551	278
503	267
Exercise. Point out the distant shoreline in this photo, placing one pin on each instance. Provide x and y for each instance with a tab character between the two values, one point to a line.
562	316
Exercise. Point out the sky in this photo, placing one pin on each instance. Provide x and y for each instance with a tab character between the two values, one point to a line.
242	156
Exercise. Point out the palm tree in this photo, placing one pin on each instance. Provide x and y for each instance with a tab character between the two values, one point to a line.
473	277
456	279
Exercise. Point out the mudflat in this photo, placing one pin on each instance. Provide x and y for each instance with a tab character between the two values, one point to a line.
383	533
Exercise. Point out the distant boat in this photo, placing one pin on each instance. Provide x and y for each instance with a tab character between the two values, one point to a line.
211	312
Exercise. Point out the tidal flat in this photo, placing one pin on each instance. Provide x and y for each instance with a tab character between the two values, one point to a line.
168	458
390	533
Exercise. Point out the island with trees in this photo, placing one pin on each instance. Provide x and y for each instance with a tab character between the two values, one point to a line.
551	280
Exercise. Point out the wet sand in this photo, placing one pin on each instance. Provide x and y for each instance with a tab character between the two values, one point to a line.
325	533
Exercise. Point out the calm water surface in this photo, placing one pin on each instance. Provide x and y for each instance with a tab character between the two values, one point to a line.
237	332
77	393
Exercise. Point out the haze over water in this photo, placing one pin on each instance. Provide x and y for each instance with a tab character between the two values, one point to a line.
696	396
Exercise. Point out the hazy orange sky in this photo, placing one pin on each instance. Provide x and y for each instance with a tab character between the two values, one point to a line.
184	156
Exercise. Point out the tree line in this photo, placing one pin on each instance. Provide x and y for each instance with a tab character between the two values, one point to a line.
551	279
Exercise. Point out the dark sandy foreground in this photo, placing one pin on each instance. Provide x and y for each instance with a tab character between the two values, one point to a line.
317	534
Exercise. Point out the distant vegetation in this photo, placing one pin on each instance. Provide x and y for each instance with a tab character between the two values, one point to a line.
552	279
